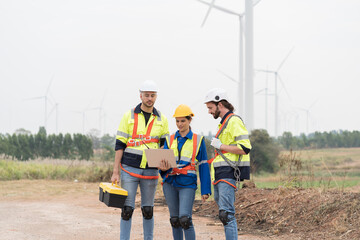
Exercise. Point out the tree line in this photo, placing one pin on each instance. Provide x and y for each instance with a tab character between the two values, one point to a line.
333	139
22	145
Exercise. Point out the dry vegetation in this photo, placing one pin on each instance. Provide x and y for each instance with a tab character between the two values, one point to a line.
294	213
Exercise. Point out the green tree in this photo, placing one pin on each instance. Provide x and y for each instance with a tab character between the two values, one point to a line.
287	140
40	143
94	135
58	146
264	153
108	140
68	148
83	146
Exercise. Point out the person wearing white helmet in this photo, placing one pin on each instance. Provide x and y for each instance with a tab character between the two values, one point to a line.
231	163
141	127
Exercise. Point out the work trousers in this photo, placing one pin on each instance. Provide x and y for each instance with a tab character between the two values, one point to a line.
180	202
224	195
147	190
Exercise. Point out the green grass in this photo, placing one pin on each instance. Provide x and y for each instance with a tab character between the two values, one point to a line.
325	168
65	170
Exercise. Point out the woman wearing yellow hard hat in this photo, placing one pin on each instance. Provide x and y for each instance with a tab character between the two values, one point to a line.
180	184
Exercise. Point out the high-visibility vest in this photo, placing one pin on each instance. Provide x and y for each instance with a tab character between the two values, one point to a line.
232	125
138	137
188	154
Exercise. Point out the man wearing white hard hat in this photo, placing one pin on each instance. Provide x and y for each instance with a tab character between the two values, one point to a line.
140	128
231	163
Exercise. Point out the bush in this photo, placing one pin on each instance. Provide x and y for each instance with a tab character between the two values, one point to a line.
264	153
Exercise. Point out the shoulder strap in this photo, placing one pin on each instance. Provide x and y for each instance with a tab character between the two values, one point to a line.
171	140
223	125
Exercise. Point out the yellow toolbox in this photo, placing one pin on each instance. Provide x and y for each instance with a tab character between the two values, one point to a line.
112	195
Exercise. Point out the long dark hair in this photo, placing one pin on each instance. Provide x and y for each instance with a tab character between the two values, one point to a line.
189	118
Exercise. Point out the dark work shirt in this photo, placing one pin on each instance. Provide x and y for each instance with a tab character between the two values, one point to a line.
147	116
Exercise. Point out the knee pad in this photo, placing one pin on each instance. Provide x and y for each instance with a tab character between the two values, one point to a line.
223	216
126	212
175	222
185	222
147	212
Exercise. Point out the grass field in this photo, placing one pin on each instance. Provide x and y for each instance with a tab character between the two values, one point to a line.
323	168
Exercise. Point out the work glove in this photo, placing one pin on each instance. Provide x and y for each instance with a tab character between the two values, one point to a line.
216	143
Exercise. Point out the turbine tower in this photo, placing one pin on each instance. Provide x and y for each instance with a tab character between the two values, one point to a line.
248	102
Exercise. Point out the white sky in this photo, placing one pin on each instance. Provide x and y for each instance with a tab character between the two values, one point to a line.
96	49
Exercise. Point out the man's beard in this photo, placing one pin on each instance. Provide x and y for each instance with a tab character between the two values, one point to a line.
147	105
217	113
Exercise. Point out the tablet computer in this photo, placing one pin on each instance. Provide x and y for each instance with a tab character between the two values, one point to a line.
154	157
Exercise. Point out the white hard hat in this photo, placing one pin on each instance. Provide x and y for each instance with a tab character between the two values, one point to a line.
216	95
148	86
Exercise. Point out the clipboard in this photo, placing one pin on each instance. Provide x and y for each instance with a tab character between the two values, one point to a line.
154	157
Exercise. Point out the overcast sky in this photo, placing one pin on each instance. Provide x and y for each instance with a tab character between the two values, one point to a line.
97	53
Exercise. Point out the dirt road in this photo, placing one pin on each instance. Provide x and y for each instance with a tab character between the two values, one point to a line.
57	210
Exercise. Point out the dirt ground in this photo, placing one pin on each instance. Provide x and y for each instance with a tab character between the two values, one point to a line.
295	213
58	210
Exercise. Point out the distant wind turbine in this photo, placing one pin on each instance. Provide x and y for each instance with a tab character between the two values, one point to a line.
276	94
101	111
46	99
307	111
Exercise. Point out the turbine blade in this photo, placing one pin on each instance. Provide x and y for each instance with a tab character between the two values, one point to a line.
261	90
281	64
283	85
221	8
207	13
48	88
255	2
232	79
266	71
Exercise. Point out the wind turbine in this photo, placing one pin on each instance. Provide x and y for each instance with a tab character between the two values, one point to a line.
307	111
46	99
55	108
83	119
249	85
276	94
266	94
101	110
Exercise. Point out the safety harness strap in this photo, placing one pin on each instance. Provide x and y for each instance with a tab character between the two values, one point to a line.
191	166
144	139
221	129
222	180
138	175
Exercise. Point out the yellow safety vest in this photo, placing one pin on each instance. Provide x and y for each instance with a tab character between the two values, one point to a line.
189	151
233	133
149	136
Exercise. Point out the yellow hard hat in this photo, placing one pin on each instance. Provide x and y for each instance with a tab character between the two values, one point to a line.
183	111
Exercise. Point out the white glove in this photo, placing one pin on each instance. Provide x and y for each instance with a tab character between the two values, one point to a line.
216	143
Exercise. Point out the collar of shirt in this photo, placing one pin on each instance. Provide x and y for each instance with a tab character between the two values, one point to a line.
224	117
138	110
188	136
